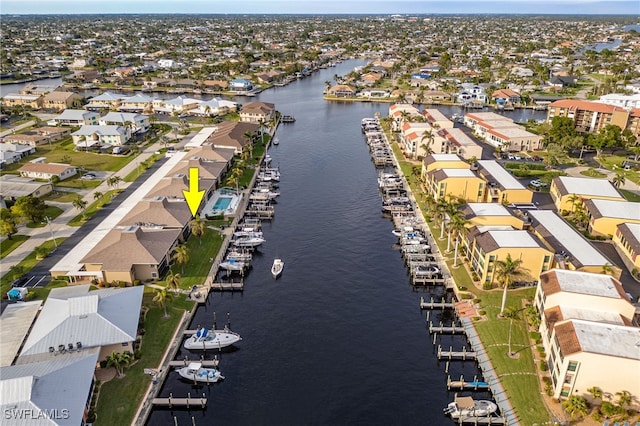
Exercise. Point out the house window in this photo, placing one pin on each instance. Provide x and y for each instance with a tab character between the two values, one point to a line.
565	392
154	275
573	366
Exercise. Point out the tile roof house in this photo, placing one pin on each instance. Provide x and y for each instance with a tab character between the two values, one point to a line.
160	213
257	112
232	135
61	100
149	252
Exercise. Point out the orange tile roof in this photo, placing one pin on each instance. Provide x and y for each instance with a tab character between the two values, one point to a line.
585	105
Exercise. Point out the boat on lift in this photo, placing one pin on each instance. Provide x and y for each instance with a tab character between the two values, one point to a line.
195	372
205	338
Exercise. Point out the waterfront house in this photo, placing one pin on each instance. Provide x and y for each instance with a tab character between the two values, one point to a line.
572	250
210	172
490	214
75	117
605	215
437	119
257	112
160	213
74	318
214	107
100	135
59	101
506	96
38	169
457	142
458	183
178	105
587	321
215	85
148	257
15	100
139	103
501	186
233	135
488	245
137	123
172	185
471	94
342	91
626	240
625	101
568	191
13	187
56	390
400	113
107	100
240	85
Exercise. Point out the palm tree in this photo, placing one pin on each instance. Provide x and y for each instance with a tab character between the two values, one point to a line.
97	195
80	204
181	256
574	199
198	228
429	136
173	281
624	398
618	180
595	392
119	360
459	227
162	297
506	271
607	269
576	405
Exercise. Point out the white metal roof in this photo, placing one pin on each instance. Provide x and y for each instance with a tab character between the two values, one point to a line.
587	283
61	382
76	114
617	209
15	323
513	238
609	339
458	173
445	157
201	137
506	180
489	209
598	315
589	186
576	245
98	318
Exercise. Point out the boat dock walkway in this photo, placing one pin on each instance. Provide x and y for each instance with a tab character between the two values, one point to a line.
461	384
486	420
181	402
464	354
436	305
490	376
205	362
220	286
441	329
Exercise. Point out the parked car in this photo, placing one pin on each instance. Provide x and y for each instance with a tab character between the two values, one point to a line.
88	176
536	158
18	282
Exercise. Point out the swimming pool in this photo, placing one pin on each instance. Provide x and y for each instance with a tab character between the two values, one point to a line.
222	203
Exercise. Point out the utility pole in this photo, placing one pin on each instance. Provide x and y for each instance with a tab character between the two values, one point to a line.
48	220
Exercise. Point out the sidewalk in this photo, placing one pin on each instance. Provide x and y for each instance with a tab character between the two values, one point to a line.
59	225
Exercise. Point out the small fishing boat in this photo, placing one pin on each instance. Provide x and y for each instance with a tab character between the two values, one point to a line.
205	338
195	372
277	267
233	265
276	141
466	406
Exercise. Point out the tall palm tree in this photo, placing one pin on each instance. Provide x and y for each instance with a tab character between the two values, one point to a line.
459	228
574	199
182	256
119	360
80	204
429	137
624	398
595	392
173	281
198	228
506	271
162	297
97	195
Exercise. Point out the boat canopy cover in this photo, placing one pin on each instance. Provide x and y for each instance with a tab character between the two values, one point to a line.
465	402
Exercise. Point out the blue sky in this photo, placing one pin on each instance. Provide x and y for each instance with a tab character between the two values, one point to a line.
592	7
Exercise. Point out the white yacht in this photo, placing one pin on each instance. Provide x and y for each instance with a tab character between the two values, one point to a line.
204	338
233	265
466	406
277	267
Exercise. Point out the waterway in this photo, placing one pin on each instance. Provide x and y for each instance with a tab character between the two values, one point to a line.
339	338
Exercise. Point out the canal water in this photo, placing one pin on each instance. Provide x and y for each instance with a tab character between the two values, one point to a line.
339	338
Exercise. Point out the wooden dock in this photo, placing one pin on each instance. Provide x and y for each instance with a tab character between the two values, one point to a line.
181	402
487	420
220	286
464	354
433	304
461	384
441	329
210	363
424	280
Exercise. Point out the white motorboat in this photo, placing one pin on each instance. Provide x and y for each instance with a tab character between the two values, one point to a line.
233	265
277	267
248	241
243	256
195	372
276	141
466	406
248	232
204	338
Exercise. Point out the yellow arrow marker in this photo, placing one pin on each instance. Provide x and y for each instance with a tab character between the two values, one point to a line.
193	196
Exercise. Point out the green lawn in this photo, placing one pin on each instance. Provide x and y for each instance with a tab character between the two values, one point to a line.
51	212
196	271
119	398
93	208
60	197
614	163
630	196
7	246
